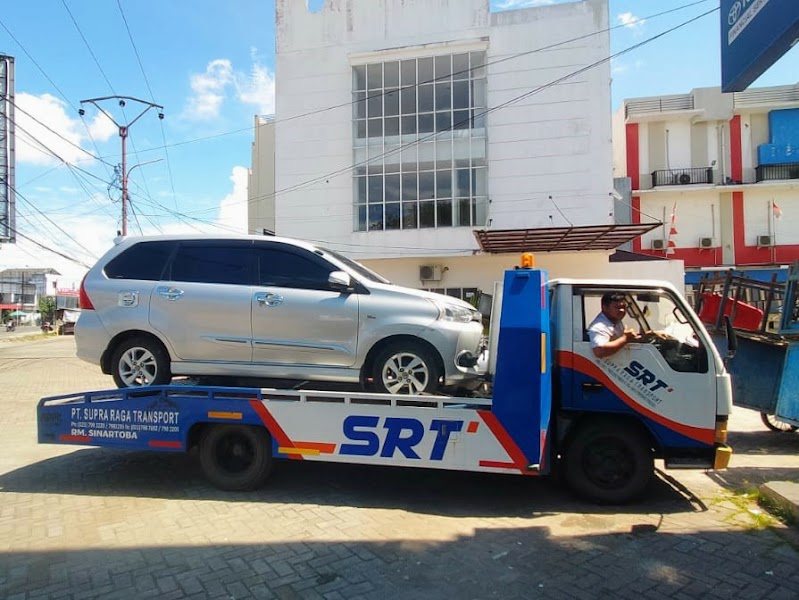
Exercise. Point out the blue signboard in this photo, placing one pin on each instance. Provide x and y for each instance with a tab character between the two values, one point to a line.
754	34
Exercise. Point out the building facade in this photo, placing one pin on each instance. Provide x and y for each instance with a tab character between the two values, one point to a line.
261	179
726	166
403	126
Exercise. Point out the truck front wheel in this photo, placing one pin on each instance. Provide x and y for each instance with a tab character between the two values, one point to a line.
236	457
610	463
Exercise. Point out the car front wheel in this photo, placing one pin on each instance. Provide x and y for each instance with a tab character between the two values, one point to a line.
406	368
140	362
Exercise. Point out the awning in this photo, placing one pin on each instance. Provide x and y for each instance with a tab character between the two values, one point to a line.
9	306
560	239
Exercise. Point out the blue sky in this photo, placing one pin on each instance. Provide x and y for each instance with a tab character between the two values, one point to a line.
211	66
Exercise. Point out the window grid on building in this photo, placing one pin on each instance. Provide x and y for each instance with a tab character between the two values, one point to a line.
419	138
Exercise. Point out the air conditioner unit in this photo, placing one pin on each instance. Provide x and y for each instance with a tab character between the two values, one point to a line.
707	242
683	178
430	273
658	244
765	241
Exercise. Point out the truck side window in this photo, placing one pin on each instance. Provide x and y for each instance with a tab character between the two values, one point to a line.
655	316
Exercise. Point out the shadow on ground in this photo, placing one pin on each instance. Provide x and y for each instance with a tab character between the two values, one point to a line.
101	472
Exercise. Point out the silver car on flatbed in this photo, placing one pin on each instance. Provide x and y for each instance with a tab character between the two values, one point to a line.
267	307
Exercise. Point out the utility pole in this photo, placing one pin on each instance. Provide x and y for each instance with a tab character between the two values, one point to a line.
123	134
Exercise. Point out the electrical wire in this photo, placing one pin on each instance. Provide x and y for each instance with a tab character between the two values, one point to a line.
516	99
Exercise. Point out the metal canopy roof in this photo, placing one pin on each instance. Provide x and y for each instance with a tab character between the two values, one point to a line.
560	239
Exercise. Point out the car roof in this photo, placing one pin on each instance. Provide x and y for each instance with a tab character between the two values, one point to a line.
130	240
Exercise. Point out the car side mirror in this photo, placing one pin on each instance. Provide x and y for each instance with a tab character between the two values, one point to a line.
341	282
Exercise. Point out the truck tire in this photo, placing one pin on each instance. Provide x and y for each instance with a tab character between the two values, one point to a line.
236	457
609	463
140	361
774	423
405	367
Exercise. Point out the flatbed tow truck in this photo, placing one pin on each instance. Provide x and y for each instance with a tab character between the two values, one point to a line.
554	405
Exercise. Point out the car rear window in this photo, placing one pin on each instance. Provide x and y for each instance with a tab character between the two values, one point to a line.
145	260
227	263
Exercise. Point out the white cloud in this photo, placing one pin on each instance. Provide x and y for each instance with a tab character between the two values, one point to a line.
630	21
44	129
211	88
258	89
233	208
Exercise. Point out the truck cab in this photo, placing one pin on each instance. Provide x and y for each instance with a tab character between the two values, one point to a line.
668	390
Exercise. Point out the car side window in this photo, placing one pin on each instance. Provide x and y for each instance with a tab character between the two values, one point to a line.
145	261
221	263
285	268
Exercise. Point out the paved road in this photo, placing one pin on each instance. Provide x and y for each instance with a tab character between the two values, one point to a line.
87	523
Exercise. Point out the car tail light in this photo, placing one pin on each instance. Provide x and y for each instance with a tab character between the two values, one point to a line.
83	299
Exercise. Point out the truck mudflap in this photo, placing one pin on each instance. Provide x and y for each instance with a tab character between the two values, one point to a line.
723	455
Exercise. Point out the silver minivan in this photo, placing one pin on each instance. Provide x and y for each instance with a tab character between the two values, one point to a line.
267	307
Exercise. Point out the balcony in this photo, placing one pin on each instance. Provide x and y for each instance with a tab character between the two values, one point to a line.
682	176
773	172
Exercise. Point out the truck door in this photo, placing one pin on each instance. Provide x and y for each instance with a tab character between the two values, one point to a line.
666	376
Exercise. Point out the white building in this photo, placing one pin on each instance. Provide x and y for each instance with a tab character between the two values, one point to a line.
261	179
404	126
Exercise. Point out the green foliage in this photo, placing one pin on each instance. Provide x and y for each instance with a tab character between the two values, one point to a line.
47	307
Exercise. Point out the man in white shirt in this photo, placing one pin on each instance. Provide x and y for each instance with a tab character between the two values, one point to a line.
607	332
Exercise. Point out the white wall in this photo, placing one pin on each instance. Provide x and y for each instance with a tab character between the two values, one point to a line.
553	143
482	271
698	215
759	217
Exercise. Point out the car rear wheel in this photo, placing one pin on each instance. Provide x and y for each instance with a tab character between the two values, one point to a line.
140	362
406	368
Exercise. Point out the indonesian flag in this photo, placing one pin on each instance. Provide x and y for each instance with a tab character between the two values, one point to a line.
776	210
671	244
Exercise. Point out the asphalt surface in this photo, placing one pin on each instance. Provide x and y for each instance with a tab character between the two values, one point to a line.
84	523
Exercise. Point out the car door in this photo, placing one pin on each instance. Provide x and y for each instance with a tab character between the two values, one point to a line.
202	305
297	318
664	379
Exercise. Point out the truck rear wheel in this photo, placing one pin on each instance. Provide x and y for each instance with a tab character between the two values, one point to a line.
774	423
236	457
610	463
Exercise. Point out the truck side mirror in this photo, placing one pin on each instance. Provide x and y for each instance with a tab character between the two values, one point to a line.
732	339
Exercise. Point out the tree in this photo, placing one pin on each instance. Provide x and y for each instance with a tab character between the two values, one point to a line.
47	308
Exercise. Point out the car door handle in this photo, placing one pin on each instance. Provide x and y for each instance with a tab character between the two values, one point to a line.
592	386
268	298
170	293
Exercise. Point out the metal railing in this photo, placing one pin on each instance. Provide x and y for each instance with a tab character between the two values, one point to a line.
657	105
772	172
682	176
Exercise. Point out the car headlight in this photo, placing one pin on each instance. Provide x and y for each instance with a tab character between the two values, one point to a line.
458	314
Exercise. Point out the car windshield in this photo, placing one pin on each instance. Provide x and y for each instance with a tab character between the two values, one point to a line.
355	267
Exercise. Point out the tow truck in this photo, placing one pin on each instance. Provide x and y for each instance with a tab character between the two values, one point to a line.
553	407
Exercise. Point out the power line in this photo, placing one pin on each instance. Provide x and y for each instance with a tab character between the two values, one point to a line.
505	104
